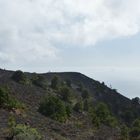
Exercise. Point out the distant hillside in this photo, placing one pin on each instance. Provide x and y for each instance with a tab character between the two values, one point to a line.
86	102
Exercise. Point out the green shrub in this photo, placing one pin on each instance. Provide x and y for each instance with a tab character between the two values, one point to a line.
4	96
7	101
54	108
11	122
14	103
23	132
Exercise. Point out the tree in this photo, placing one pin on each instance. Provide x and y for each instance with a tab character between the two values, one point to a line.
136	101
20	77
105	116
102	112
78	106
65	93
54	108
55	82
40	81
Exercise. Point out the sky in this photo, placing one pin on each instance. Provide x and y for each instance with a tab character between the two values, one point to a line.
99	38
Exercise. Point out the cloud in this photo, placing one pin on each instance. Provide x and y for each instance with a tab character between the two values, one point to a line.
34	30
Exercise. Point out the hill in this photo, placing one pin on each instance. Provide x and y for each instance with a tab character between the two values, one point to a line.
65	106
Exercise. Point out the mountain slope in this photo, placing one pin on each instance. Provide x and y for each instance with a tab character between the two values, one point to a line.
78	126
99	91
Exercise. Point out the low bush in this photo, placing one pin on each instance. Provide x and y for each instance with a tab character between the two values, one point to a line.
21	131
24	132
14	103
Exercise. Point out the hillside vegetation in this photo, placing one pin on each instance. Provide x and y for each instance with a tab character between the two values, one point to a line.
64	106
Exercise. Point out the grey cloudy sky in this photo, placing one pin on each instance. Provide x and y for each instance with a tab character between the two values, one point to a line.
99	38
